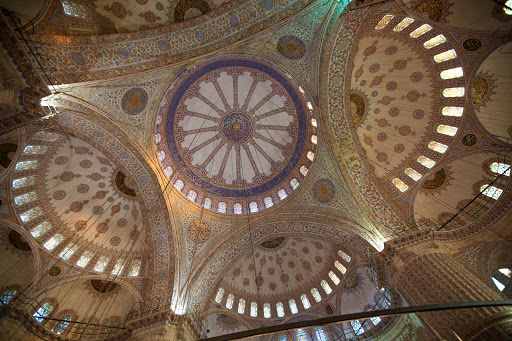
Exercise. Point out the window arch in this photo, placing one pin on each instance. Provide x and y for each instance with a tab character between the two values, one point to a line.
43	312
266	310
25	198
491	191
326	287
84	259
229	301
101	264
320	335
179	184
220	293
344	256
254	309
53	242
280	309
118	268
192	195
316	294
305	301
399	184
282	194
268	202
253	207
241	306
40	229
413	174
134	271
7	296
207	203
294	183
340	267
303	170
222	207
293	306
68	251
301	335
500	168
356	325
61	327
334	278
237	208
501	279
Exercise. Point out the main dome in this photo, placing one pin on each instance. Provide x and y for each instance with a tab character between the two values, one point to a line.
235	134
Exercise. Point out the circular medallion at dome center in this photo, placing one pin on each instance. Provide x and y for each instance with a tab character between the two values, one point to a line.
236	127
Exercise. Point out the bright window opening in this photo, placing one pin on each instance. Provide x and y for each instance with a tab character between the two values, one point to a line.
84	259
303	170
192	195
35	149
237	208
402	187
282	194
25	198
454	92
293	306
101	264
384	22
326	287
253	207
313	122
23	182
229	301
314	139
268	202
316	294
53	242
447	130
421	31
340	267
305	301
320	335
73	9
266	310
437	40
452	111
179	184
118	268
41	229
294	183
491	191
498	284
452	73
241	306
344	256
43	312
425	161
207	203
444	56
412	174
335	279
310	155
222	207
218	297
500	168
25	165
68	251
358	329
438	147
280	309
135	270
403	24
31	214
507	272
7	296
254	309
61	327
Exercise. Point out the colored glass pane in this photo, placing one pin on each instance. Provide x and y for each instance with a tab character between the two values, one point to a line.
500	168
444	56
437	40
344	256
326	287
425	161
207	203
491	191
169	171
253	207
280	309
25	198
421	30
340	267
507	272
266	310
222	207
241	306
498	284
282	194
301	335
7	296
161	155
384	21
293	306
101	264
453	111
507	9
229	301
334	278
220	294
358	329
61	327
43	312
35	149
268	202
403	24
320	335
179	184
452	73
23	182
454	92
135	270
25	165
303	170
192	195
44	135
84	259
402	187
305	301
41	229
313	122
412	174
446	130
316	294
438	147
74	9
237	208
53	241
118	268
294	183
254	309
68	251
375	320
310	155
31	214
314	139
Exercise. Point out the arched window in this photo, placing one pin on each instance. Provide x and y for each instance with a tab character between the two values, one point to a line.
334	278
254	309
84	259
229	301
293	306
316	294
35	149
446	130
402	187
101	264
220	293
385	299
134	271
501	278
266	310
403	24
68	251
7	296
320	335
179	184
61	327
241	306
222	207
192	195
47	136
498	284
326	287
161	155
25	198
309	105
313	122
158	138
425	161
43	312
303	170
41	229
340	267
438	147
31	214
280	309
358	329
314	139
507	272
500	168
384	21
294	183
452	73
507	9
301	335
412	174
452	111
253	207
420	31
310	155
433	42
491	191
118	268
305	301
268	202
237	208
25	165
282	194
344	256
23	182
53	242
454	92
444	56
375	320
207	203
168	171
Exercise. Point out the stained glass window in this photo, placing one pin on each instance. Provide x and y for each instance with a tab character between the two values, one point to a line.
220	293
35	149
266	310
31	214
446	130
101	264
293	306
237	208
412	174
314	139
508	10
402	187
207	203
310	155
179	184
168	171
358	329
43	312
118	268
326	287
437	40
84	259
453	92
74	9
268	202
24	165
61	327
25	198
253	206
305	301
425	161
340	267
375	320
68	251
384	21
161	155
500	168
23	182
301	335
282	194
344	256
452	111
320	335
303	170
452	73
241	306
229	301
192	195
222	207
438	147
254	309
421	30
158	138
41	229
498	284
44	135
491	191
7	296
280	309
403	24
444	56
507	272
135	270
310	106
313	122
294	183
334	278
316	294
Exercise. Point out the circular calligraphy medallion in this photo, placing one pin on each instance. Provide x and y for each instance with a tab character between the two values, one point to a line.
199	231
236	127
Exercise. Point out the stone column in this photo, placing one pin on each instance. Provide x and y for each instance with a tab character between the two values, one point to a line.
439	278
